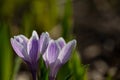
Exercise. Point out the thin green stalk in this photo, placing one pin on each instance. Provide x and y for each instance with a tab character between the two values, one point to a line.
18	61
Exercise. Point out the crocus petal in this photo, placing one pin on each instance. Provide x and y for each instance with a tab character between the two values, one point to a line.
25	39
61	42
32	46
18	48
22	40
66	51
44	40
52	52
54	70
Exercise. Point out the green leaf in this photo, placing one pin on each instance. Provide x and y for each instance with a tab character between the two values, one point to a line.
68	76
17	63
78	69
67	19
6	55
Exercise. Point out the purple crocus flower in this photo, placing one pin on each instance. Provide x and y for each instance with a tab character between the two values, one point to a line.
57	54
30	49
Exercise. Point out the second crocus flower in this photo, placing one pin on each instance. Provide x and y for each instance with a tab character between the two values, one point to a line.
58	53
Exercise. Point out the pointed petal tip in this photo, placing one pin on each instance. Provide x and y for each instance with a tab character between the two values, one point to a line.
14	37
34	31
51	41
11	40
67	51
34	34
73	42
61	42
61	38
47	33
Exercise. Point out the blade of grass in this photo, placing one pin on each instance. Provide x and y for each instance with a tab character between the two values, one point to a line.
78	69
17	63
6	56
67	19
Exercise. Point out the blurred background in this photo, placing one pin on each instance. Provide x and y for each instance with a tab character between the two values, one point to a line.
95	24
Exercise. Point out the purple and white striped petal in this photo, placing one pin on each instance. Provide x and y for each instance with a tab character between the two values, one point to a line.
52	52
43	42
18	48
66	51
22	40
61	42
54	70
25	39
32	46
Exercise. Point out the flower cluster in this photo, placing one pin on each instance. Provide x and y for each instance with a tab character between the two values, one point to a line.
55	53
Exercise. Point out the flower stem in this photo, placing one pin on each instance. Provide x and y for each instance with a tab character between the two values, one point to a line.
51	78
33	69
33	75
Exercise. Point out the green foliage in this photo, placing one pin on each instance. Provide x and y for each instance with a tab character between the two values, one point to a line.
6	56
77	68
67	20
17	63
64	72
43	74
